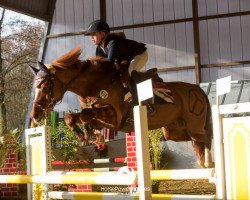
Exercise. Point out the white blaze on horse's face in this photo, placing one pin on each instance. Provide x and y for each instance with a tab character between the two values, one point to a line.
36	93
37	113
41	100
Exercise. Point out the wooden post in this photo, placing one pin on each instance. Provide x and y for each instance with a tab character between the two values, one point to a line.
142	152
219	154
38	158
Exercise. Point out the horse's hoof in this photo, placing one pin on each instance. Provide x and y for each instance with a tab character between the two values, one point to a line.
210	165
201	164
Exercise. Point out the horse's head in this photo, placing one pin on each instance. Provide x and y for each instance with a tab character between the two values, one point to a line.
49	90
82	77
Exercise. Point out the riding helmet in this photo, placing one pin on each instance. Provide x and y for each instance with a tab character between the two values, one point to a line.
96	26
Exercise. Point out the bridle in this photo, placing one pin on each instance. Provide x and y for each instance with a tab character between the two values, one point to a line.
49	88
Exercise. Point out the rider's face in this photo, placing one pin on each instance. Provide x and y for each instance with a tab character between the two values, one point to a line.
97	37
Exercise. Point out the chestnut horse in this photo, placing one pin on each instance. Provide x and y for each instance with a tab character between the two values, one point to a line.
187	119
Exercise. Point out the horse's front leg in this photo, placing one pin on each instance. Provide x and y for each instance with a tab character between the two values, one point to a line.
71	120
99	141
100	117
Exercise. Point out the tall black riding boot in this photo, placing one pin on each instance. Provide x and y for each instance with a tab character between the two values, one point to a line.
151	111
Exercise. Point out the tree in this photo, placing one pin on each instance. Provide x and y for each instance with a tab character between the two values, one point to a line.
19	46
3	125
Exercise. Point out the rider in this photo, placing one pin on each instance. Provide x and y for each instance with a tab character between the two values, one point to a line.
115	47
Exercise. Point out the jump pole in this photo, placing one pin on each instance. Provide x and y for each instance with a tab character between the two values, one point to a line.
112	178
179	174
99	179
116	196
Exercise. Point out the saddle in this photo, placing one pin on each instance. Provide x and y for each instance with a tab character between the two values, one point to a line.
160	89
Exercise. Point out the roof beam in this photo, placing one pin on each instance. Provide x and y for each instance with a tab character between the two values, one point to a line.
42	10
196	42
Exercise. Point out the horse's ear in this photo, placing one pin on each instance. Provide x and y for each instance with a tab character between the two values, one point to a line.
43	67
33	70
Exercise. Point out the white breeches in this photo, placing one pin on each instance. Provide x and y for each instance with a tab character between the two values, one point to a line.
138	62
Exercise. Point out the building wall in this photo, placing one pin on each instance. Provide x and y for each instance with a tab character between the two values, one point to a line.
224	39
171	45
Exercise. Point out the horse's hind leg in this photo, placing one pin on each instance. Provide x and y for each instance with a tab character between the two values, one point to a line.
199	149
208	158
203	154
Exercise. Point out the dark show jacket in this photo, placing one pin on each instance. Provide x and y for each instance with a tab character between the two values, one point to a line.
119	48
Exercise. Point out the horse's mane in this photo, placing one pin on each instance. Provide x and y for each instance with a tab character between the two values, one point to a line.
68	59
98	59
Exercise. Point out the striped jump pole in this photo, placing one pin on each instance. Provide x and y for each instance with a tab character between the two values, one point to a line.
109	178
101	169
110	160
115	196
98	179
104	169
95	161
179	174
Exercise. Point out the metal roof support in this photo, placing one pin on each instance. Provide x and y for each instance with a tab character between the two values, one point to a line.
103	9
223	99
42	10
209	88
240	92
196	42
